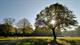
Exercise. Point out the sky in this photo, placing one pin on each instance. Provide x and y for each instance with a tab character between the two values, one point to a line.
19	9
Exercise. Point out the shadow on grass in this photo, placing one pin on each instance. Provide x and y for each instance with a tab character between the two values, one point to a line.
37	42
43	42
71	42
32	42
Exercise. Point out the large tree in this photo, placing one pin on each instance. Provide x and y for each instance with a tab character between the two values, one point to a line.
56	16
25	26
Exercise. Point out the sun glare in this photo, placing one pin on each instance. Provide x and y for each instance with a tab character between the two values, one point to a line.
53	22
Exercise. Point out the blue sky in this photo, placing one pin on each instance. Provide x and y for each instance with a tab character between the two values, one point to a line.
19	9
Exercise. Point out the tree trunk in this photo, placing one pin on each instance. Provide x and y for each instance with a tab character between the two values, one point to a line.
54	34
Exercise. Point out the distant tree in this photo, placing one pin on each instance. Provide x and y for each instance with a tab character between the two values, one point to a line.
56	16
46	31
25	26
77	30
6	29
8	22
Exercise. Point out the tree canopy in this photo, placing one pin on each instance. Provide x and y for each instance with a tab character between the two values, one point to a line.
25	26
62	16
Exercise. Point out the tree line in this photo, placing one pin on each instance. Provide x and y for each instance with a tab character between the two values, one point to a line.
23	27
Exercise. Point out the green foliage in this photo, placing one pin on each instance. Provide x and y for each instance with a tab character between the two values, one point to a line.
74	33
78	30
25	26
28	30
64	17
23	23
6	29
8	21
43	29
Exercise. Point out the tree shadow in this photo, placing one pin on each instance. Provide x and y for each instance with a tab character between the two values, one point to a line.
53	42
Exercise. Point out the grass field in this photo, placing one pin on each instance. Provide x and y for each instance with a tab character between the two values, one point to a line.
37	37
43	40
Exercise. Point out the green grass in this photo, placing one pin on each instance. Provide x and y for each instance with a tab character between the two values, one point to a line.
44	40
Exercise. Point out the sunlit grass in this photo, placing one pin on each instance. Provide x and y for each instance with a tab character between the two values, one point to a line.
32	40
42	38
